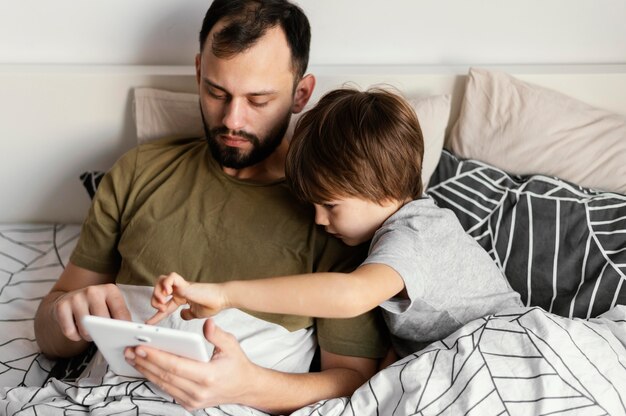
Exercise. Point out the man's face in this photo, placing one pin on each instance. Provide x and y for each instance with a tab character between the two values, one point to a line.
246	100
226	145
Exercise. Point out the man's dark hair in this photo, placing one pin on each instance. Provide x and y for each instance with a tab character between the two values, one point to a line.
248	20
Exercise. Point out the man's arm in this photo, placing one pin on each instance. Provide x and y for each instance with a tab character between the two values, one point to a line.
231	378
340	376
78	292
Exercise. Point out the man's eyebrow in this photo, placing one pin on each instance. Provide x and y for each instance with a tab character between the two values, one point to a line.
212	84
209	83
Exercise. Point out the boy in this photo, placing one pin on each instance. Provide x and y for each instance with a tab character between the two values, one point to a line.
357	157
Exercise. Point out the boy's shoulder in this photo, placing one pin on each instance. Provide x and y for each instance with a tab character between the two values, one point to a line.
423	214
424	206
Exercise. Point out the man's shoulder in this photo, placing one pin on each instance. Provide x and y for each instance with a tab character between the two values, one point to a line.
163	151
172	145
150	159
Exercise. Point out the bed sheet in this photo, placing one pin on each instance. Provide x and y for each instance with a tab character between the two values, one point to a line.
32	256
520	362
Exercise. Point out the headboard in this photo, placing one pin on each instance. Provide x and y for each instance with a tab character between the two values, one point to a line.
59	121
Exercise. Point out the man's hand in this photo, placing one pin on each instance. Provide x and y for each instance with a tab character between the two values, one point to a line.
78	292
172	291
196	385
230	377
104	300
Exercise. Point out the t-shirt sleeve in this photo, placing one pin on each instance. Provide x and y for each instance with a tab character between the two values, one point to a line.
442	266
96	249
396	248
363	336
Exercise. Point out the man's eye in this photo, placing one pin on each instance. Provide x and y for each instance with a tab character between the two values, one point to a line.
258	104
329	206
217	95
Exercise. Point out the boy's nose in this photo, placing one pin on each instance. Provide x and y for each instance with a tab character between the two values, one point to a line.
320	216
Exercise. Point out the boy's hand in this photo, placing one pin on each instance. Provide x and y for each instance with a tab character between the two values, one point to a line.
168	295
172	291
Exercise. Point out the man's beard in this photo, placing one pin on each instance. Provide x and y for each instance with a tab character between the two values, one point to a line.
232	157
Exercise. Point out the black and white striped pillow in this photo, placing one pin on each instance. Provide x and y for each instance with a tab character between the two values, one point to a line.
562	247
91	179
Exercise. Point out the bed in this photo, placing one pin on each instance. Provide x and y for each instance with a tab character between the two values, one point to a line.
532	160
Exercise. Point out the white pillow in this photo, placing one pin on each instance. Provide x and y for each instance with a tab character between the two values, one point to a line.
523	128
433	113
160	113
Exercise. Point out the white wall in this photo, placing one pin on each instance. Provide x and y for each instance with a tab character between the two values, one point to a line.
57	121
434	32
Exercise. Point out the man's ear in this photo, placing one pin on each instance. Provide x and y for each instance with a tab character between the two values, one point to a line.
304	89
198	64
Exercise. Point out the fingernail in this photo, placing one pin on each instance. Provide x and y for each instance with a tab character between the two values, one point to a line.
141	353
129	355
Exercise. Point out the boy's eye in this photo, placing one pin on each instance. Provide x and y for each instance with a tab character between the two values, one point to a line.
329	205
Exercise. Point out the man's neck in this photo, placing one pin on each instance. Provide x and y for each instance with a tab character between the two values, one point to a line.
269	170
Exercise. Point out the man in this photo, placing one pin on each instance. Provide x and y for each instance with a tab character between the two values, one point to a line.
214	210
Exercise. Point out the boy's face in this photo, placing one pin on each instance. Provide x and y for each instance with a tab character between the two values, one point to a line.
353	220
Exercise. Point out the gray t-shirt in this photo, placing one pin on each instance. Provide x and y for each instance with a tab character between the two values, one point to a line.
450	279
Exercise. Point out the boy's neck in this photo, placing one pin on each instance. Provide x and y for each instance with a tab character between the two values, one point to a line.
397	205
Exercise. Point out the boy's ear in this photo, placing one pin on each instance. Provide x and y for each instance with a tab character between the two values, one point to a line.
198	64
304	89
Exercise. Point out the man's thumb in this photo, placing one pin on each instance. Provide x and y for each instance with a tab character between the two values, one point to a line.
216	336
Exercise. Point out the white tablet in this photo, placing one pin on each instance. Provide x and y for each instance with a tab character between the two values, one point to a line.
112	336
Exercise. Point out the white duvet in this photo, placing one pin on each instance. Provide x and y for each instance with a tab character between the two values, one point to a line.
522	362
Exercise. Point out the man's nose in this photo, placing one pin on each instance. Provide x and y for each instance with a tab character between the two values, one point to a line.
234	115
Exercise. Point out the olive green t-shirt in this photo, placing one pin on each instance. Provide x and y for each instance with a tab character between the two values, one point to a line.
167	206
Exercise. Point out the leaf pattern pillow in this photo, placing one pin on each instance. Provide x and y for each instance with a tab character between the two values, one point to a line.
561	246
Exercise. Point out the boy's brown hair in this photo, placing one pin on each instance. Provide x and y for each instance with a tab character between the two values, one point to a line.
357	144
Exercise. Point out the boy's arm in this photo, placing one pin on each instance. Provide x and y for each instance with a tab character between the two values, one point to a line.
321	295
